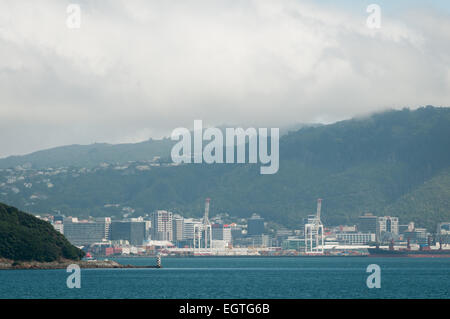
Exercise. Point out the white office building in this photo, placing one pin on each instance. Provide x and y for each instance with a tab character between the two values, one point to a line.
387	224
188	228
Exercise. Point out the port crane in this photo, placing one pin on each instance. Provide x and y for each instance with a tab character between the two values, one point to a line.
314	232
203	230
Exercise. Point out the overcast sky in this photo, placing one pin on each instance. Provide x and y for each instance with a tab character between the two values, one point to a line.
137	69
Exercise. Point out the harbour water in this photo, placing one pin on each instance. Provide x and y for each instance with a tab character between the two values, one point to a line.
240	277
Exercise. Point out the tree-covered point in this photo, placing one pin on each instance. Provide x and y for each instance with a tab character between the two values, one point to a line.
24	237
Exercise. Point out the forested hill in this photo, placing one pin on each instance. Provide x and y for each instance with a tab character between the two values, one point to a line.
395	163
24	237
90	156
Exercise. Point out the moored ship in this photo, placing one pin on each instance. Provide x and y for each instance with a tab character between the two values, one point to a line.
379	252
425	251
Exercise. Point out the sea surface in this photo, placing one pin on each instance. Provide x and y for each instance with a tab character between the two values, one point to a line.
240	277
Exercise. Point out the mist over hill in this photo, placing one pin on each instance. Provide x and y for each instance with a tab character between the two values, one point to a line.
395	163
90	155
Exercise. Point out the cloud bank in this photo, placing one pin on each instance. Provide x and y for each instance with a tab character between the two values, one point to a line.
137	69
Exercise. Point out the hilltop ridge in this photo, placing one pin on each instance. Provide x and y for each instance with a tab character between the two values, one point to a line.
393	162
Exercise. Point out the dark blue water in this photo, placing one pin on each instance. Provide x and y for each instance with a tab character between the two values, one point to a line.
239	277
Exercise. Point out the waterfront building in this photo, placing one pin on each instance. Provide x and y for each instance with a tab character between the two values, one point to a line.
259	241
221	232
86	232
219	244
293	243
356	238
284	233
417	236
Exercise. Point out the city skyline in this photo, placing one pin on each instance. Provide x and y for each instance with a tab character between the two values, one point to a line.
368	229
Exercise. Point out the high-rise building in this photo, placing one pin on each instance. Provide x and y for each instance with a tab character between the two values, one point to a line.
367	223
86	233
188	229
133	231
162	224
178	228
255	225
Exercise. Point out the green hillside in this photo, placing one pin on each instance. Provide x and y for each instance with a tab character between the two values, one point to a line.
427	204
24	237
375	164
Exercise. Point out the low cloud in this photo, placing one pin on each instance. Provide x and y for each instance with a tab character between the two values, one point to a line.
137	69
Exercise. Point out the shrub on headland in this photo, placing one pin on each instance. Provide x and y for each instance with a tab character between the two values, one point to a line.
24	237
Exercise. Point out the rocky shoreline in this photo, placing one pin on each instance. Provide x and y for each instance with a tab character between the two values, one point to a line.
6	264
